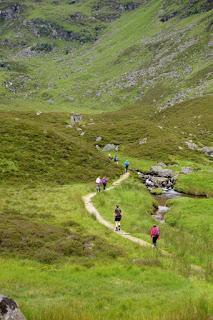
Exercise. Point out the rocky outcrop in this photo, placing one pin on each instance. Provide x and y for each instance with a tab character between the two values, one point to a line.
44	28
9	309
208	151
153	182
11	13
110	147
160	172
169	16
158	177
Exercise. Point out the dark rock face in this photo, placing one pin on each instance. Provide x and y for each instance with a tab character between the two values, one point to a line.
109	10
169	16
9	310
11	13
45	28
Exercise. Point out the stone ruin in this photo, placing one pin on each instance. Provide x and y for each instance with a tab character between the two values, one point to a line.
75	118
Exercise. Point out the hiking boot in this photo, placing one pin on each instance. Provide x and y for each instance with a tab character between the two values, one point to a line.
116	229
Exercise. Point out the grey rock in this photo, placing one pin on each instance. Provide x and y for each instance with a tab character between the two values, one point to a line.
187	170
161	164
191	145
142	141
208	151
11	13
110	147
98	139
160	172
9	309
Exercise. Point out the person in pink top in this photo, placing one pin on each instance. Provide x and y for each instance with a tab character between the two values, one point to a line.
155	235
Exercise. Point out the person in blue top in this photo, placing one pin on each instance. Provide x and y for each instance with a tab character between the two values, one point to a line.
126	165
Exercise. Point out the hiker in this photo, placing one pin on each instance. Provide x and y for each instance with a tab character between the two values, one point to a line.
98	184
126	165
118	217
110	157
155	235
104	182
116	159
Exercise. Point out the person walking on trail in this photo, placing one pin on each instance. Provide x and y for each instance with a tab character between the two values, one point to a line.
118	217
98	184
104	182
155	235
116	159
126	165
110	157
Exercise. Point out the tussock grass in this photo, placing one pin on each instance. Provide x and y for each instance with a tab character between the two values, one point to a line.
198	183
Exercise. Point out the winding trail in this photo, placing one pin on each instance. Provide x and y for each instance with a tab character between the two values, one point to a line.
94	212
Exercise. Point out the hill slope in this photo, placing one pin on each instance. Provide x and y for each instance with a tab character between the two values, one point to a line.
102	55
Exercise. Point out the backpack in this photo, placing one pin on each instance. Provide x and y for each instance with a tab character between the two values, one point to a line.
157	231
118	212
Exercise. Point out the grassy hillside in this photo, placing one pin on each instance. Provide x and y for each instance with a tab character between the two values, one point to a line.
165	132
139	73
111	62
44	149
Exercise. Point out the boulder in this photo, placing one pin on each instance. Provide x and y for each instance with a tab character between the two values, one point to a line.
142	141
208	151
160	182
160	172
191	145
98	139
110	147
9	309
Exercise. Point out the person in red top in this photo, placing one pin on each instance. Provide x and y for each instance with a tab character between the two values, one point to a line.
155	235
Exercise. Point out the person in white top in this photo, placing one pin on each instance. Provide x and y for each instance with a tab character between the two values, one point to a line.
98	184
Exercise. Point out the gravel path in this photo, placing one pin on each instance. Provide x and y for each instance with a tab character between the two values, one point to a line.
93	211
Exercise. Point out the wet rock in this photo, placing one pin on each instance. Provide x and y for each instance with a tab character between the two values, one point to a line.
9	309
187	170
160	172
111	147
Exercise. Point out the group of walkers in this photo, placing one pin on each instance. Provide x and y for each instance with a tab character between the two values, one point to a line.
102	182
154	232
116	160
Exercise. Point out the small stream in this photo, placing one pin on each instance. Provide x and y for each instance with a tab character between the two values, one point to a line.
161	200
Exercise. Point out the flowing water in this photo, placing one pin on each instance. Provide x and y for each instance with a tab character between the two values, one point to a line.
162	199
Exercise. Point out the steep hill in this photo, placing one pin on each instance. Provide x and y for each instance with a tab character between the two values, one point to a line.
101	54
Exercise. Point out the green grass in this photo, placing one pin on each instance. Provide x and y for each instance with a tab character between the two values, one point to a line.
43	149
91	77
197	183
166	133
138	205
